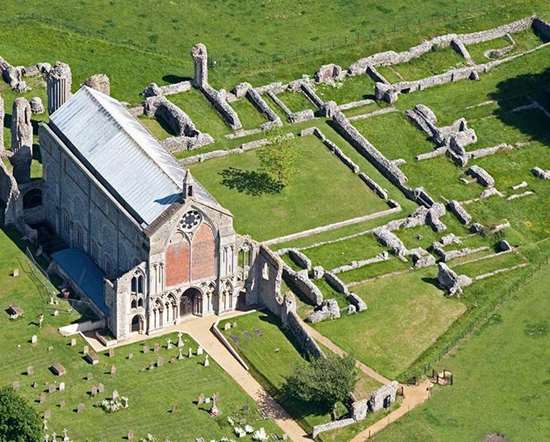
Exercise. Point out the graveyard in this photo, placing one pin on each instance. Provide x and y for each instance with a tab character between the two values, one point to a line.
410	232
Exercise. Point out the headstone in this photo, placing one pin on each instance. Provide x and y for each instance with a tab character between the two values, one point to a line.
169	344
111	352
85	350
56	312
180	339
100	387
180	355
190	352
130	435
34	339
62	386
15	273
130	355
34	385
174	408
145	349
30	370
115	395
160	361
50	347
113	370
73	342
200	351
62	404
47	414
52	388
42	398
206	361
80	408
93	392
234	324
227	326
200	399
156	347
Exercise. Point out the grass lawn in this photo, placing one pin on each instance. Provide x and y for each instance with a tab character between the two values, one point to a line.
272	358
236	181
433	62
374	270
524	41
151	393
295	101
156	128
206	118
405	316
481	267
250	116
504	366
354	88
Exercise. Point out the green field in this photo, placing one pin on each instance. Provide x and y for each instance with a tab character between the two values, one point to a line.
264	212
504	366
405	316
151	393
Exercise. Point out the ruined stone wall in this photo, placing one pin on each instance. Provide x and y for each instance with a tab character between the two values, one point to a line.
299	282
258	101
219	101
11	203
173	116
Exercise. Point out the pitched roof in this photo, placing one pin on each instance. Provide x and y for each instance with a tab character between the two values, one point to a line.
138	171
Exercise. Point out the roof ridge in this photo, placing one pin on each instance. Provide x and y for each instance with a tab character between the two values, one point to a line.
122	128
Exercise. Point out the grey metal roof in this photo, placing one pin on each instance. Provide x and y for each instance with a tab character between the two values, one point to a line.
118	148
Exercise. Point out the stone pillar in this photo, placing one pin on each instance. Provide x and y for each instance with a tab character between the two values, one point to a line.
2	113
59	82
21	140
200	60
99	82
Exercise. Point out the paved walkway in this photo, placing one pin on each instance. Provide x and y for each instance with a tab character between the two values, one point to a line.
200	331
413	395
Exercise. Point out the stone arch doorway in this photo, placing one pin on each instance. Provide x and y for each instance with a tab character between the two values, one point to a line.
191	302
137	324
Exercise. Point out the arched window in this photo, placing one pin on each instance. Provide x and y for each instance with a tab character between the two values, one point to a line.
134	285
133	304
140	284
140	302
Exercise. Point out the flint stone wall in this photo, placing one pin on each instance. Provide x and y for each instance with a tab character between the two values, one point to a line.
329	73
258	101
219	101
459	211
334	425
11	203
336	283
300	259
176	88
541	173
390	240
175	118
300	282
383	256
376	76
298	117
310	93
355	300
306	343
352	135
481	175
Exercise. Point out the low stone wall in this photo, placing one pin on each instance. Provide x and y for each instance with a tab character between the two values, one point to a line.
375	75
310	93
81	327
228	345
352	135
219	101
258	101
336	283
300	259
279	103
305	342
299	282
176	144
175	118
176	88
459	211
383	256
334	425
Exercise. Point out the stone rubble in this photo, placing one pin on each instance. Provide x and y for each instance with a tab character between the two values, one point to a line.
451	282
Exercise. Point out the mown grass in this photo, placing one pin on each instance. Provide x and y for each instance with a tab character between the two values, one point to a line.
250	116
504	362
265	212
405	316
151	393
295	101
524	41
354	88
431	63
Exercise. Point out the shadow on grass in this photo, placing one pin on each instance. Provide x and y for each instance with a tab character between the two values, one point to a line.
534	87
171	78
251	182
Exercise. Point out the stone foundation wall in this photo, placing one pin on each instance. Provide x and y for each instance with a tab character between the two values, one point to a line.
299	282
219	101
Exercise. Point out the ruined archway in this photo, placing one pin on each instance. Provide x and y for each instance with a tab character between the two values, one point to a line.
191	302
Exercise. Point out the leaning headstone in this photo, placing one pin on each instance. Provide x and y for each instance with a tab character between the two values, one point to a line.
30	370
130	355
174	408
156	348
80	408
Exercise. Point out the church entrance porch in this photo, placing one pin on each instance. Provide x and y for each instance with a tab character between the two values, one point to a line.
191	302
137	324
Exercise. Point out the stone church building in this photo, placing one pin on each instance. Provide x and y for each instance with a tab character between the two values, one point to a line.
148	245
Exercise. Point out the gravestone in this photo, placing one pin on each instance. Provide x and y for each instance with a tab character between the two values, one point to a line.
34	339
85	350
113	370
180	339
206	361
47	414
62	404
190	352
73	342
52	388
100	387
80	408
111	352
62	386
42	398
200	351
130	355
145	349
16	385
200	399
169	344
93	392
156	348
130	435
30	370
180	355
160	361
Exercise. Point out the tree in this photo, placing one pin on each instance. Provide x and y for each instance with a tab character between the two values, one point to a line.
278	159
19	422
324	381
